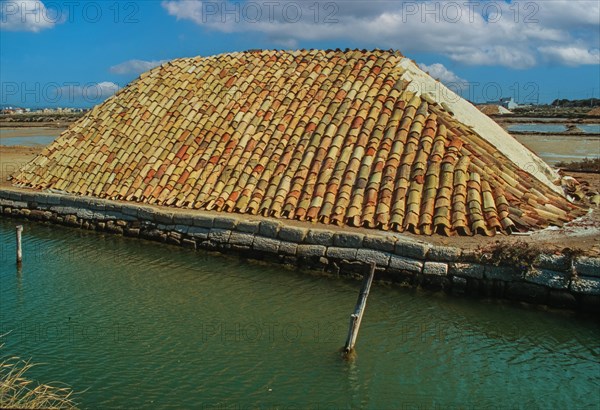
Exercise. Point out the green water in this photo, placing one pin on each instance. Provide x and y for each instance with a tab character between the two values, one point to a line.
136	324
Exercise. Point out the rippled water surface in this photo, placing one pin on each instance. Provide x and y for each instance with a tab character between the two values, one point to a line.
138	324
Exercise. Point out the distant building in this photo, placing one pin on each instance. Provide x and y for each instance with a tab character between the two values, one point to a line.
493	110
13	110
506	102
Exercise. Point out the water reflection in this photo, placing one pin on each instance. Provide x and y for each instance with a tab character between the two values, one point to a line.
141	324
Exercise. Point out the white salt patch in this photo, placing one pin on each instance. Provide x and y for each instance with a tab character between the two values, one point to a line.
431	90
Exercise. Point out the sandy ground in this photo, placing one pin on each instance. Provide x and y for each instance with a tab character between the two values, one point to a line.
12	158
554	148
30	132
583	233
62	124
557	148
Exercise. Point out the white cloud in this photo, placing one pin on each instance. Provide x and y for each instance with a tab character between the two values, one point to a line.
135	66
106	88
572	56
474	33
495	55
25	15
185	10
441	73
564	14
89	92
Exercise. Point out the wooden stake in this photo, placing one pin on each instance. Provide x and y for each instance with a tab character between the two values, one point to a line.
359	310
19	249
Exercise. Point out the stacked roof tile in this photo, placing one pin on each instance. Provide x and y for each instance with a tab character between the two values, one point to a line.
329	136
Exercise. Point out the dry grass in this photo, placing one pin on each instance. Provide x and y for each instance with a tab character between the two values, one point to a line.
520	255
585	165
18	392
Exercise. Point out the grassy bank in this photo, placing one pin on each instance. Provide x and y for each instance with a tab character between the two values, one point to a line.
17	391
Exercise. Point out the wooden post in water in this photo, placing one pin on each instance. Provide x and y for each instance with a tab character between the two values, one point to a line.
19	249
359	310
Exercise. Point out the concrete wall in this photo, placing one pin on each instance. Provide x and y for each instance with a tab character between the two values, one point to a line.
555	280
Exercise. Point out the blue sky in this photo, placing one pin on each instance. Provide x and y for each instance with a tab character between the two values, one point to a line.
76	53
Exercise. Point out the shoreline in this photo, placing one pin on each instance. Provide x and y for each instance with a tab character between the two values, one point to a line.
540	277
455	265
35	125
583	234
24	132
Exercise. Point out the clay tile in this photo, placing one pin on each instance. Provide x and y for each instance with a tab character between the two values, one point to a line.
334	137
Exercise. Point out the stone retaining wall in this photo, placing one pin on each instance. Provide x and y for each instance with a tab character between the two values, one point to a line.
555	280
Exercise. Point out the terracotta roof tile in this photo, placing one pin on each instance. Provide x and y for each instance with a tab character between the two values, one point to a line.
329	136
